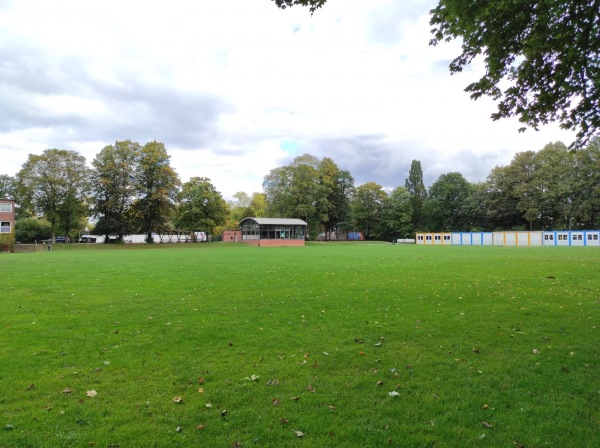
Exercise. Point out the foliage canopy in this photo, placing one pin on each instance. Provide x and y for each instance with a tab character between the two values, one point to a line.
542	59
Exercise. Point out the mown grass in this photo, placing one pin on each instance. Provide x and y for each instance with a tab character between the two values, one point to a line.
484	346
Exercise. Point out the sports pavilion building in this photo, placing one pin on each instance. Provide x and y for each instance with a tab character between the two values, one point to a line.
270	232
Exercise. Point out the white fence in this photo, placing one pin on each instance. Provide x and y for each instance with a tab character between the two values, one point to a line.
158	238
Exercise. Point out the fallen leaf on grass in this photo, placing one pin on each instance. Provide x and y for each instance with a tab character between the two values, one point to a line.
486	425
208	405
200	427
200	390
295	398
91	393
299	434
283	420
66	390
200	380
31	387
252	377
310	388
362	353
275	402
393	393
177	399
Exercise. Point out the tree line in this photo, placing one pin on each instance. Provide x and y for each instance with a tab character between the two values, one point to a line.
553	188
132	188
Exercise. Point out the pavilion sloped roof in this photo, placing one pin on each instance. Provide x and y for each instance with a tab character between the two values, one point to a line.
277	221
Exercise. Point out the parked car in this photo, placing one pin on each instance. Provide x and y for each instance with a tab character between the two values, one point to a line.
61	239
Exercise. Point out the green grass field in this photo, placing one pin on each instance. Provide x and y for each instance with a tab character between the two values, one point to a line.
339	345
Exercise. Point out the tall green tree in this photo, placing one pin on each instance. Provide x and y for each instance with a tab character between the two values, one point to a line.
156	187
258	205
449	197
7	186
586	186
542	58
294	191
554	166
367	209
476	208
526	187
55	184
239	207
336	188
500	202
397	215
201	206
114	188
243	206
418	193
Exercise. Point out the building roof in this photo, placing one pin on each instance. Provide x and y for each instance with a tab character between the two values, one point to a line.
277	221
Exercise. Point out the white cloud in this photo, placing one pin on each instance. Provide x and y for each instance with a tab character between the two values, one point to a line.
235	88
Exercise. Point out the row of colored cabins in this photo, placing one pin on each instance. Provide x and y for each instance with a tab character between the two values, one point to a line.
516	238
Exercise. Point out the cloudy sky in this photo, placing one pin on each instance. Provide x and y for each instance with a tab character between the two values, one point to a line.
235	88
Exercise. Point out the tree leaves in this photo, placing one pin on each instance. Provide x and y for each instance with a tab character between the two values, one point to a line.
546	58
312	4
